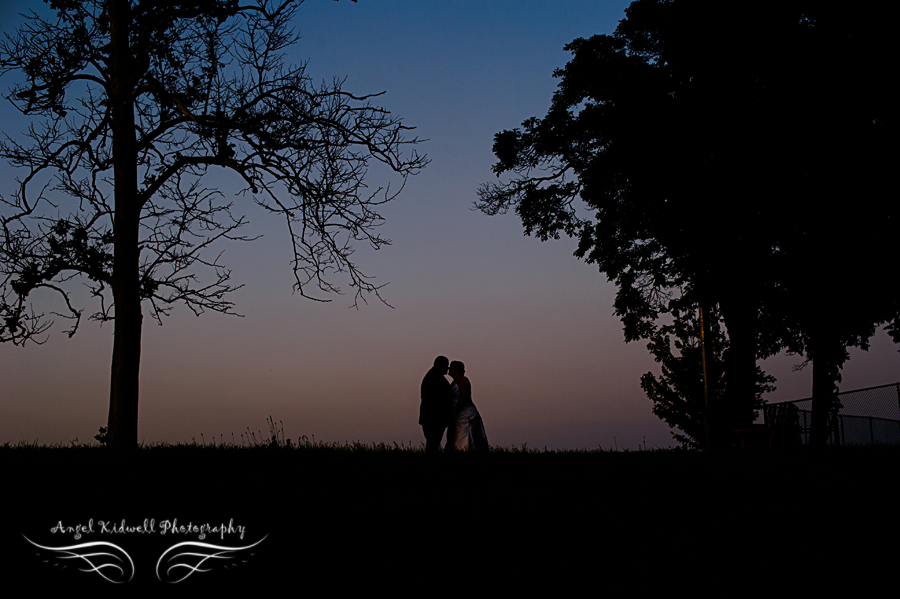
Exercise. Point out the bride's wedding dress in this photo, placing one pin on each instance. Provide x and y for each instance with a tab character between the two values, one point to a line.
466	429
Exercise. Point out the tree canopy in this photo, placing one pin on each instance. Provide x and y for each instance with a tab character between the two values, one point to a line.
134	103
703	148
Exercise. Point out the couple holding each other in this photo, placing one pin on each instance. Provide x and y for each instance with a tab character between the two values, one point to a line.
446	406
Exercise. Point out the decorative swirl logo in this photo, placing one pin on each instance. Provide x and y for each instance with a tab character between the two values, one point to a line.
191	561
101	562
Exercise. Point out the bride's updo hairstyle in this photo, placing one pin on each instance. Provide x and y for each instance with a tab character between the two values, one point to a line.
460	365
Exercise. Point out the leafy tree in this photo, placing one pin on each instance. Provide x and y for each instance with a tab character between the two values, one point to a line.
705	137
678	393
835	218
137	101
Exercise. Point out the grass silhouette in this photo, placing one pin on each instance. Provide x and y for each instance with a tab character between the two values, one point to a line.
355	517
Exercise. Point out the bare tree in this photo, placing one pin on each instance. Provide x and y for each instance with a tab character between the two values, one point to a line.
137	100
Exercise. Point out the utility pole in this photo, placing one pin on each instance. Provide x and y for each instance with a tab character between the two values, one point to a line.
710	413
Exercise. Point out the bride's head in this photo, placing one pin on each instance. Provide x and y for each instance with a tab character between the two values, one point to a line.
457	369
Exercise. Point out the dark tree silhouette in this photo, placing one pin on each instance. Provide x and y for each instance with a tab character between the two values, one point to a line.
831	155
136	102
677	394
709	141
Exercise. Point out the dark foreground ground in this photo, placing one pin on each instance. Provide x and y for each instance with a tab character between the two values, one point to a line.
333	521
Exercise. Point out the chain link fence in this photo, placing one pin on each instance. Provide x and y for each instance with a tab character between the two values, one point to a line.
866	417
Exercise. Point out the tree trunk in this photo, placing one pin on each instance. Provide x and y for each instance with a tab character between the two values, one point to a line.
122	425
825	354
739	315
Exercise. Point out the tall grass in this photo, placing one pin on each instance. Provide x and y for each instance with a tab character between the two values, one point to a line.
275	439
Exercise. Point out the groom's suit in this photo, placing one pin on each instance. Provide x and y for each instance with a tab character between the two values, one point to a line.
434	411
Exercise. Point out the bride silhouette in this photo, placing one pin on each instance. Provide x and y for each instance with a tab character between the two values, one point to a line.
466	429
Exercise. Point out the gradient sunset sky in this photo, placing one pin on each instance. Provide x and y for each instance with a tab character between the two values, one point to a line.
534	326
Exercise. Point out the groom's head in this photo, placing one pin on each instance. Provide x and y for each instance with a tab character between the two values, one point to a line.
441	364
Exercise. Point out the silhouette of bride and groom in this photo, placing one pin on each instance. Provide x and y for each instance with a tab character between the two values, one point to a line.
449	407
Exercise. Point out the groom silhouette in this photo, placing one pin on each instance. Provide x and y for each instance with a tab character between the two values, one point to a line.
434	412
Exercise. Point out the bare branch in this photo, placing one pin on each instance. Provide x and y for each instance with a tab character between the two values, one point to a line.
210	90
